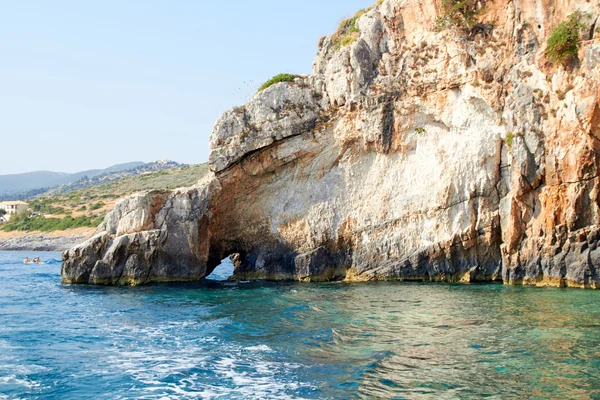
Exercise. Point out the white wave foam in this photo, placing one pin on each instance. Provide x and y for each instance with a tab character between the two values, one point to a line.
169	364
20	381
262	347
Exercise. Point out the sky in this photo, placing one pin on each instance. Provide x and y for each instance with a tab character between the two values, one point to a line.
90	84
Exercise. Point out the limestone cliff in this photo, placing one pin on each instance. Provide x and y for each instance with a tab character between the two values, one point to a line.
409	154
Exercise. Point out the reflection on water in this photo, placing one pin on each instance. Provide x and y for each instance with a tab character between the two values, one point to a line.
230	340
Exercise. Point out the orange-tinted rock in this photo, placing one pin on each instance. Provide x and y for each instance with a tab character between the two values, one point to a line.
409	154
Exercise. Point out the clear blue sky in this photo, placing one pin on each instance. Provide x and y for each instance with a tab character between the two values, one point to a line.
88	84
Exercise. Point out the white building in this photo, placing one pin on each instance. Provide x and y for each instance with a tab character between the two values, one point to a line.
13	207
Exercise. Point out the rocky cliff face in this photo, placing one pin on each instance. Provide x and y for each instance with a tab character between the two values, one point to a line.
409	154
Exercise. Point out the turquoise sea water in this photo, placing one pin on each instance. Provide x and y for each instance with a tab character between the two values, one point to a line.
317	341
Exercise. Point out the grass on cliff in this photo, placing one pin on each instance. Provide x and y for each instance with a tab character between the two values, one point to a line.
87	207
348	31
563	43
277	79
510	137
463	14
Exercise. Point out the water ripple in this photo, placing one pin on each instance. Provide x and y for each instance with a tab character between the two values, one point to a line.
224	340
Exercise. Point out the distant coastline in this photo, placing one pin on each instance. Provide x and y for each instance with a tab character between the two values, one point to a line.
38	241
60	221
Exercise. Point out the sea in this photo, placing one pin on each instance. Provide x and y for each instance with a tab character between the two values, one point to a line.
245	340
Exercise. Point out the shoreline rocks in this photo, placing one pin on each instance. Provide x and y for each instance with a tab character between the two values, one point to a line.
40	242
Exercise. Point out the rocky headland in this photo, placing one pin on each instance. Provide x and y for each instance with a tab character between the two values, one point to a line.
414	151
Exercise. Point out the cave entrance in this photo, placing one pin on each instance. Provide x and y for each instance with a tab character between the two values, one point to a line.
223	271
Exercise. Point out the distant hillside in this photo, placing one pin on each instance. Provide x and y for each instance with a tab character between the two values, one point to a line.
34	184
87	207
97	172
29	181
168	179
114	175
14	184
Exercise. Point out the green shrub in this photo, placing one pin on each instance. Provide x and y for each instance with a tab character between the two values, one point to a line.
19	217
348	32
563	43
44	205
346	41
96	206
277	79
95	222
509	139
460	13
42	224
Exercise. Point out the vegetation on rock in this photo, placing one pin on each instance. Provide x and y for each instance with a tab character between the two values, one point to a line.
86	207
44	205
277	79
509	139
23	222
563	43
96	206
348	31
463	14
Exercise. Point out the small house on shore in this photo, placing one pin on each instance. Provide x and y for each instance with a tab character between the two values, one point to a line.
13	207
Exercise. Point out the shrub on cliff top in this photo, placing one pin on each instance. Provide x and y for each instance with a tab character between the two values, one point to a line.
348	32
563	43
277	79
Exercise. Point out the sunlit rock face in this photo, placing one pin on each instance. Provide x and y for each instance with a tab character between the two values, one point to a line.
149	237
409	154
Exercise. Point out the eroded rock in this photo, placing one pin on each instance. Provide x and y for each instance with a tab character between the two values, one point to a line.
409	154
150	237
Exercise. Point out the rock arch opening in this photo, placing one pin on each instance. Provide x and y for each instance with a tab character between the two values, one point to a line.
224	270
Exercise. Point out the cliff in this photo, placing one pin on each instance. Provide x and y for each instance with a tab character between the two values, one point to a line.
412	152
